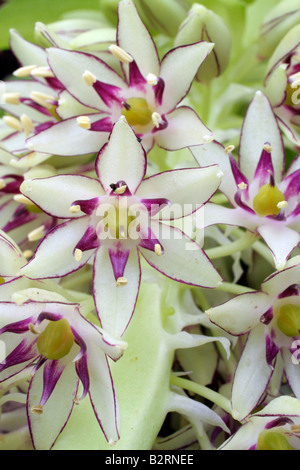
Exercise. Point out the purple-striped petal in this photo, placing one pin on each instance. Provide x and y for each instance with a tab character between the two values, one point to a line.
109	94
82	371
136	79
103	125
118	258
89	241
264	168
271	351
51	374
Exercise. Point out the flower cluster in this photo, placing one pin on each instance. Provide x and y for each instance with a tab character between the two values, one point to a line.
141	255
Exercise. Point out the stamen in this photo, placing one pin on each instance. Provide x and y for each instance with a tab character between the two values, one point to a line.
27	124
24	71
43	99
267	148
229	149
295	428
36	234
12	98
208	138
75	209
120	54
242	185
121	281
27	254
89	78
42	72
157	249
32	329
2	184
76	401
37	409
282	204
14	123
152	79
121	189
156	119
78	255
23	200
84	122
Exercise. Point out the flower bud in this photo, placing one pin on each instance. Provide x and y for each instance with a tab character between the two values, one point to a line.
272	440
205	25
164	17
277	23
288	319
56	340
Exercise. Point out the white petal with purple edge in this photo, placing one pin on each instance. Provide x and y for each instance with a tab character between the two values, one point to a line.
134	38
186	189
291	367
67	138
115	304
240	314
182	259
26	52
122	159
281	280
54	256
55	195
215	214
281	240
184	129
252	374
260	127
11	258
178	69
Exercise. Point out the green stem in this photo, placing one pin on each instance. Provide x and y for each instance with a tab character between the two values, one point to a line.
235	289
258	246
203	391
238	245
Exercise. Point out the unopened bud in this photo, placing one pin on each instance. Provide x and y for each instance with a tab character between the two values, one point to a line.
164	16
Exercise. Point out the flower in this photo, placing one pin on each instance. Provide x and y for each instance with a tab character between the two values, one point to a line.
272	317
60	348
114	217
263	201
148	95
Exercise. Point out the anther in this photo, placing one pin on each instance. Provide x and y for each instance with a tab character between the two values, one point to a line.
27	124
84	122
44	100
32	329
11	98
156	119
267	148
121	281
75	209
89	78
120	54
78	255
21	199
208	138
13	122
229	149
157	249
282	204
242	185
2	184
152	79
36	234
76	401
27	254
37	409
121	189
42	72
295	428
24	71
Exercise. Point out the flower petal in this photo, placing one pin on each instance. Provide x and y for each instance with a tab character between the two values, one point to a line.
122	159
184	129
182	260
281	240
26	52
55	195
115	304
11	258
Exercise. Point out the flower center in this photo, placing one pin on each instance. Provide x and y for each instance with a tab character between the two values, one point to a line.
137	112
56	340
267	199
272	440
288	319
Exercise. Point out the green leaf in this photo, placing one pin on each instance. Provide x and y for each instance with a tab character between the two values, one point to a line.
22	15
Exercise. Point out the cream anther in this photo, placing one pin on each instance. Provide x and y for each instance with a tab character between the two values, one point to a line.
152	79
282	204
37	409
208	138
78	255
121	281
36	234
2	184
89	78
75	209
267	148
156	119
27	123
42	72
44	100
21	199
13	122
121	189
32	329
120	54
157	249
24	71
242	185
27	254
84	122
11	98
229	149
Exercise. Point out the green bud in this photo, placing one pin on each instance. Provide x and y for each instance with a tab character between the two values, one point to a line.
288	319
56	341
267	199
272	440
163	16
205	25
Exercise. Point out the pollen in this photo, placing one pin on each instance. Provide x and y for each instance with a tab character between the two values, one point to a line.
282	204
78	255
267	148
32	329
156	119
37	409
27	254
157	249
75	209
36	234
89	78
43	99
120	54
25	71
121	189
121	281
152	79
11	98
84	122
44	72
13	122
229	149
242	185
27	123
20	198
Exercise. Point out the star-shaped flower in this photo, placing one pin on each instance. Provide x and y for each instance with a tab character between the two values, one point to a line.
263	201
118	217
147	94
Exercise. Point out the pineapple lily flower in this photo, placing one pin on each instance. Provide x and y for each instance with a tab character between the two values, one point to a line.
271	316
115	218
148	95
263	201
60	349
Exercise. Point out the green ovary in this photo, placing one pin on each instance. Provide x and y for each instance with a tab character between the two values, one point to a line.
288	319
271	440
266	200
137	112
56	341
